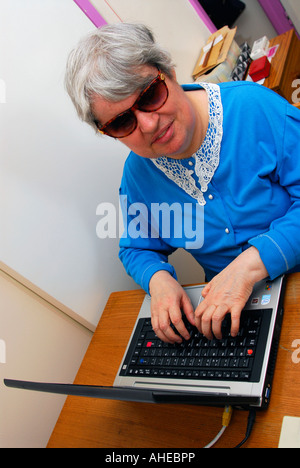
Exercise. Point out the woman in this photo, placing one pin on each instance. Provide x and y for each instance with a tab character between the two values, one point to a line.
225	158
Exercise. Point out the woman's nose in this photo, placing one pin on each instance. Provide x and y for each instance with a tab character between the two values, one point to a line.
147	121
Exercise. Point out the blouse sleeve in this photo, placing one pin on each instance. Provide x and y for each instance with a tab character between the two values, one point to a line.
279	247
141	254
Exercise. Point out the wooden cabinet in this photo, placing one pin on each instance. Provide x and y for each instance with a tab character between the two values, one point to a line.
285	66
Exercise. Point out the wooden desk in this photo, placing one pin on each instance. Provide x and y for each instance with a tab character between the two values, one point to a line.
87	422
285	66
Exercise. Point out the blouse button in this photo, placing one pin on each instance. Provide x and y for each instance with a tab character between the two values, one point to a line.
227	231
211	197
191	163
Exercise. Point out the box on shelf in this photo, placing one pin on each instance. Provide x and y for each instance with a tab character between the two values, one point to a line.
215	51
260	69
260	48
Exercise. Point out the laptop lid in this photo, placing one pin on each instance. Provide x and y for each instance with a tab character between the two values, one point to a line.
133	394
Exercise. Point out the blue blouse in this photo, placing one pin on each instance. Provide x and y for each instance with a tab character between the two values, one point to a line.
253	198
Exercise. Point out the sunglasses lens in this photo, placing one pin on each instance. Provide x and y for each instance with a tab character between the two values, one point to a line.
122	125
154	97
151	100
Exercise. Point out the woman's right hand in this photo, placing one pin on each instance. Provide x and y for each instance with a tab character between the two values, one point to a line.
168	301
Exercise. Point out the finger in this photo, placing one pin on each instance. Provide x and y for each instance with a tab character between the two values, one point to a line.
235	321
198	323
180	327
188	309
198	314
206	321
206	290
217	320
162	328
167	335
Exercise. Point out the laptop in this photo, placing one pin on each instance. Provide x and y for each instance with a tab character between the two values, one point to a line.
231	371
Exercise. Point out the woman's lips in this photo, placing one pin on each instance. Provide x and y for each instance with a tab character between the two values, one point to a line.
164	135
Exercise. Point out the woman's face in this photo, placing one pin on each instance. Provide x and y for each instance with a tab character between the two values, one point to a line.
171	131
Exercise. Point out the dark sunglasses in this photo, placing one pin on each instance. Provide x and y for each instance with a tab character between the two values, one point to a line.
151	99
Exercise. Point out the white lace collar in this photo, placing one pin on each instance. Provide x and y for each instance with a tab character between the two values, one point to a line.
206	158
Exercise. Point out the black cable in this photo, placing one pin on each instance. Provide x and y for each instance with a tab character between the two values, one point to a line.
251	421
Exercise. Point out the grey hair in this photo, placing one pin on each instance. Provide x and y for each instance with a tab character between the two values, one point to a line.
106	63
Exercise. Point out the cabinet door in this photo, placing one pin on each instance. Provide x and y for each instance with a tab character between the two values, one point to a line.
285	66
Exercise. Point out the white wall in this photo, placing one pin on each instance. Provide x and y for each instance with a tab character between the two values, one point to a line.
42	344
292	7
253	24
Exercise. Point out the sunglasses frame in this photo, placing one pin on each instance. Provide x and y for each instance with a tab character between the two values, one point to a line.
159	78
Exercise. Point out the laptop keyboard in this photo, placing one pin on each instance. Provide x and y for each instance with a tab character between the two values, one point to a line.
199	358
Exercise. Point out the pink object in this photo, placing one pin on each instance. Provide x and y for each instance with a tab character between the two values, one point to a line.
91	12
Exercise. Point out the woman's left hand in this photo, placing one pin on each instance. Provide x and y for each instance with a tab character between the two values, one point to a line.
228	292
